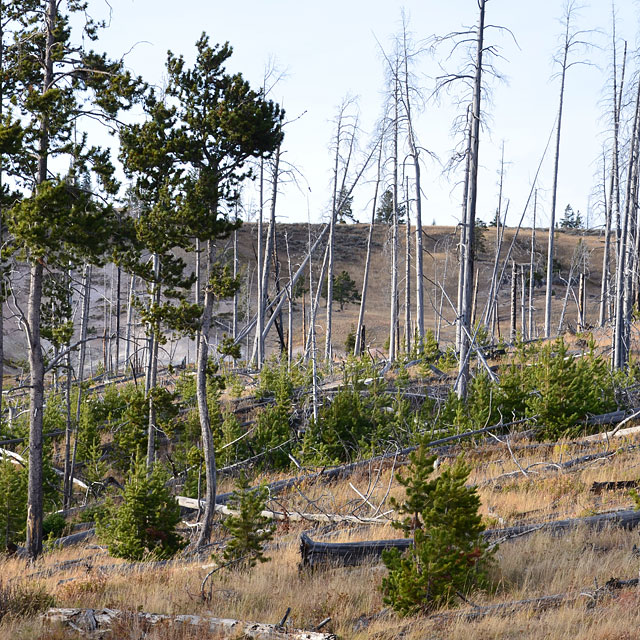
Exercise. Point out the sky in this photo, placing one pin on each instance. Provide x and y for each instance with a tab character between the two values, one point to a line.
329	51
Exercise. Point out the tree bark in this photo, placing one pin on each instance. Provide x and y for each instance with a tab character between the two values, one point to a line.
35	503
203	407
467	266
393	304
367	263
622	308
407	274
554	190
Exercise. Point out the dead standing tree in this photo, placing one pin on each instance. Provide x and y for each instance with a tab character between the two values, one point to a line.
571	40
612	203
474	76
344	147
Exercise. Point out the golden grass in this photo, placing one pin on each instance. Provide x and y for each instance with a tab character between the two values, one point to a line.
532	566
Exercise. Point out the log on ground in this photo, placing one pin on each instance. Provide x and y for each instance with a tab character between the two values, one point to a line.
92	621
315	553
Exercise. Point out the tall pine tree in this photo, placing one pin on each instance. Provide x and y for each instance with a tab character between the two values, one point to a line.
55	79
223	123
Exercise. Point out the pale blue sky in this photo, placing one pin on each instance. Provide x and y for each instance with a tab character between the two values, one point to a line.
328	50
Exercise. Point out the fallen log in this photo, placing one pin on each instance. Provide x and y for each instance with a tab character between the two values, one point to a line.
74	538
96	622
347	469
293	516
614	485
612	417
592	596
316	553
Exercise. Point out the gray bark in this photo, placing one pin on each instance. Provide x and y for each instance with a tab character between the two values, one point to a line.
568	41
208	449
467	265
367	263
35	504
622	307
393	304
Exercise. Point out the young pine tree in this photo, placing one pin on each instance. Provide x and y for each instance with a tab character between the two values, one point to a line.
249	529
449	554
144	525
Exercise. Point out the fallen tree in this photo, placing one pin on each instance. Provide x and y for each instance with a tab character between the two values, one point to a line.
315	553
592	596
96	622
293	516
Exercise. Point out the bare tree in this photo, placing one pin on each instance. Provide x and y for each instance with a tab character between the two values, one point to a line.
612	203
467	264
571	40
365	280
344	148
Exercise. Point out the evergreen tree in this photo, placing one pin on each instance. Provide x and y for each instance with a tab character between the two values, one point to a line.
384	212
13	502
449	554
345	207
570	219
222	124
144	525
344	289
148	151
249	529
55	81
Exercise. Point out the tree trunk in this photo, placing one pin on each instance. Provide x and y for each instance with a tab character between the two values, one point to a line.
467	266
367	263
258	349
152	368
235	275
208	449
35	504
531	264
514	296
36	402
393	304
554	189
84	323
407	274
622	317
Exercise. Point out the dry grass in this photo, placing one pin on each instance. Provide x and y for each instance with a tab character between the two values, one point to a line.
536	565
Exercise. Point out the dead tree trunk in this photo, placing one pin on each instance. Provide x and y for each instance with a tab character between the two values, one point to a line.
367	264
623	307
407	273
531	265
467	265
514	300
570	40
393	303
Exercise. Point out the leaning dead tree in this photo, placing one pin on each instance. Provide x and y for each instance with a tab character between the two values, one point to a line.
572	40
624	274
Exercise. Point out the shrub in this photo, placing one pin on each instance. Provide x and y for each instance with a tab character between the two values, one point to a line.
145	523
53	526
449	554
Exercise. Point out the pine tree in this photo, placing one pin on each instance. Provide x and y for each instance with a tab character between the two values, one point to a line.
13	502
144	525
384	212
449	554
56	81
223	123
249	529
